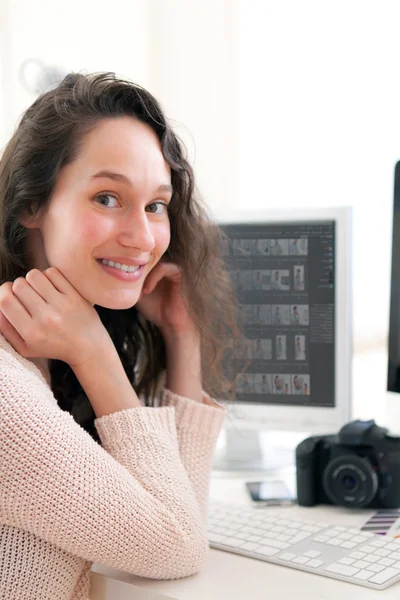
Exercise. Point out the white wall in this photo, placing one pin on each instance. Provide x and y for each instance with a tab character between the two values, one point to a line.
77	35
193	73
319	124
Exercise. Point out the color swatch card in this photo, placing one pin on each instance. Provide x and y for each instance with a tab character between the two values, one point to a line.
384	522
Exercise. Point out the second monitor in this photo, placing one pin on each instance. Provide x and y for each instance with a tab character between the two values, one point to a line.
292	276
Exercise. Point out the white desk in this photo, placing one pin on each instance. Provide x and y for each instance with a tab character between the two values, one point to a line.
239	578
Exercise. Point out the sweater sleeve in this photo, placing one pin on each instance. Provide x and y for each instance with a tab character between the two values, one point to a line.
129	504
198	426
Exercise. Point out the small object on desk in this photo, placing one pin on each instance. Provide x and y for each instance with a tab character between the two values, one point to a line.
269	493
338	552
384	522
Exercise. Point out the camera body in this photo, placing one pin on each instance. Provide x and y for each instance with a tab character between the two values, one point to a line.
358	467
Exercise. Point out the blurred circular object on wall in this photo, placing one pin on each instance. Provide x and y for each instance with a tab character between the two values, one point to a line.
36	77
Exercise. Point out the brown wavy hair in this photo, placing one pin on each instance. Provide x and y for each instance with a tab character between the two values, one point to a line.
48	137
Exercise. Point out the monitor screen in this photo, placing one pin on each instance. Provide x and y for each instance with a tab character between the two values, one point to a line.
283	274
393	383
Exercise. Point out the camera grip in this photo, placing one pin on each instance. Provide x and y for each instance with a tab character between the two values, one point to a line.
305	473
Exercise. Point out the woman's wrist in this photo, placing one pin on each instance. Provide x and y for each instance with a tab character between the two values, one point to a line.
183	354
106	384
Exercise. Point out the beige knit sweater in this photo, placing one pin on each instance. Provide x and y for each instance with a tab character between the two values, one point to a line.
137	503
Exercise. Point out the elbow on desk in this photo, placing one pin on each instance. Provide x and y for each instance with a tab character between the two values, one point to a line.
181	562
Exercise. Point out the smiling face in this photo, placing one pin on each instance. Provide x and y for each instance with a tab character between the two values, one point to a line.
94	216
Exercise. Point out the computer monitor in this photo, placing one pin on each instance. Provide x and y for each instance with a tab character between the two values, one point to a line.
393	380
292	274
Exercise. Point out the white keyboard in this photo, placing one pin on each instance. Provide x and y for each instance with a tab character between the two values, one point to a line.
333	551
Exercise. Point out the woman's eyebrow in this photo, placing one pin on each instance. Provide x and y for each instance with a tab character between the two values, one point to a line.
124	179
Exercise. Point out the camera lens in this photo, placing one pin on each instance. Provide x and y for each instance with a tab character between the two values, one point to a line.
350	480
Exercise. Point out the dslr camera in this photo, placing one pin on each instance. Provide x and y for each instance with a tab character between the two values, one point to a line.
358	467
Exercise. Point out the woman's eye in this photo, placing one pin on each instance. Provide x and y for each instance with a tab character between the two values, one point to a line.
100	197
162	206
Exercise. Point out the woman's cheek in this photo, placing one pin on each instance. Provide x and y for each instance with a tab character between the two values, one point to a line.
162	237
94	231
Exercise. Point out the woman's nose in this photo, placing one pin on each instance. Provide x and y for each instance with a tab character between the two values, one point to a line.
137	232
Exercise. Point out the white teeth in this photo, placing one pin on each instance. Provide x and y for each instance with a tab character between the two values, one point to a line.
126	268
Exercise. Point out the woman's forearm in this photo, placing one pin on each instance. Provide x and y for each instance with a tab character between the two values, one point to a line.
106	383
184	365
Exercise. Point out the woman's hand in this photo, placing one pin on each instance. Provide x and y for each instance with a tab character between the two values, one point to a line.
162	302
42	315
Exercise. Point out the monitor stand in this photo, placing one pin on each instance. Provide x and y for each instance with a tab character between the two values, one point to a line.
252	450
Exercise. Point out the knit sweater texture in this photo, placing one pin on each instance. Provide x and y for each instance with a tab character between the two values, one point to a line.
137	503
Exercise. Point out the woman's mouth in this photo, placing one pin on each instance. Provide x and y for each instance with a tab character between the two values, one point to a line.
121	272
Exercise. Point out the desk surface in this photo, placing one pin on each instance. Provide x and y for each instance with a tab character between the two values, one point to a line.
236	577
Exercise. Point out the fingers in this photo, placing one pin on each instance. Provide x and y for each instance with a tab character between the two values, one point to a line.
38	288
58	280
28	296
14	312
163	269
42	285
12	336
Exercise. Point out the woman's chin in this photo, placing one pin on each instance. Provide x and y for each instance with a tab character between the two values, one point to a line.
120	301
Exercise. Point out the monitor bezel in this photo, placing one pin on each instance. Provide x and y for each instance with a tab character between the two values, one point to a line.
393	373
313	420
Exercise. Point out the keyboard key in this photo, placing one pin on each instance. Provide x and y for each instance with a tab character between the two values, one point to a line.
358	539
371	558
357	554
266	551
311	528
321	539
250	546
361	564
385	575
342	569
386	562
346	560
363	575
278	529
315	563
312	554
335	542
234	542
348	545
299	537
300	560
274	543
393	547
369	549
331	533
378	543
255	538
375	568
287	556
215	537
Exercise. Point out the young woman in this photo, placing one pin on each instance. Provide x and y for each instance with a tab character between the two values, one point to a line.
114	311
